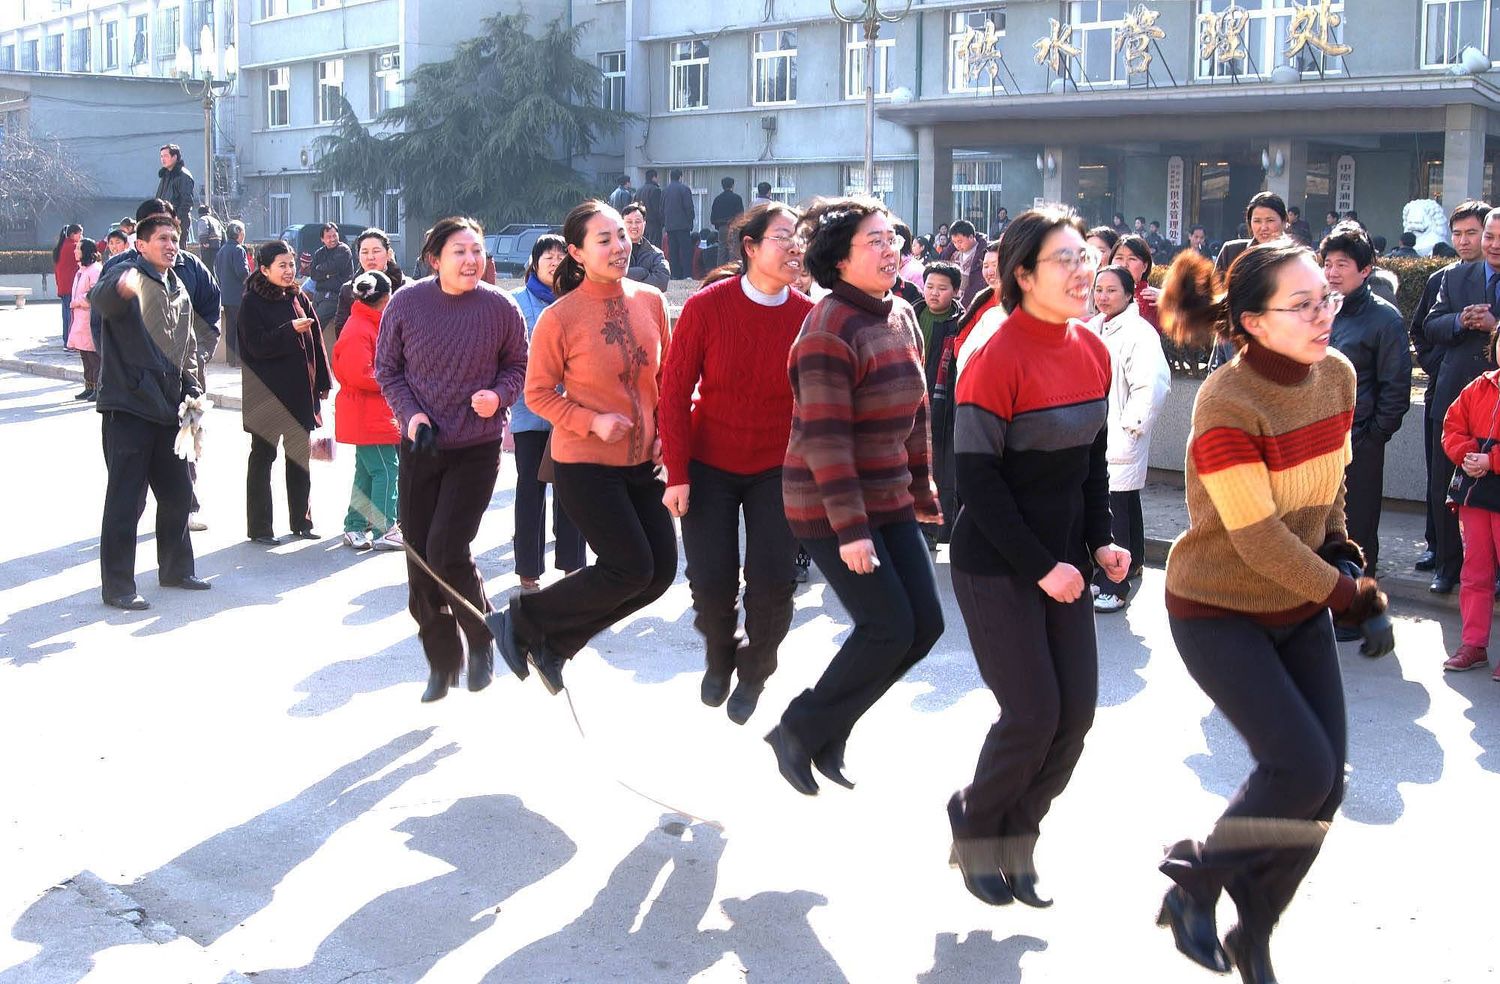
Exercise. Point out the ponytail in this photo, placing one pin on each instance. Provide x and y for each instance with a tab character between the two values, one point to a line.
569	275
1194	306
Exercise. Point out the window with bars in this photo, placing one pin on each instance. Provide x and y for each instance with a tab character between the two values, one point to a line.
977	187
967	34
781	177
81	50
7	57
612	80
854	64
168	34
331	206
272	8
53	53
387	212
885	180
278	214
330	91
278	97
1450	26
775	68
111	47
689	67
29	55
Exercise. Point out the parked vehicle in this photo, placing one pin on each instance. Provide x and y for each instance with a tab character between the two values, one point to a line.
305	238
510	248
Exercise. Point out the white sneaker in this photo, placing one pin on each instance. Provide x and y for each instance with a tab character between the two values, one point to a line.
1108	603
1094	590
359	541
391	540
195	524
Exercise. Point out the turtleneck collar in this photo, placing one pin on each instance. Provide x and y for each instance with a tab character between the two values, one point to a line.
857	297
1273	366
590	288
761	297
1047	331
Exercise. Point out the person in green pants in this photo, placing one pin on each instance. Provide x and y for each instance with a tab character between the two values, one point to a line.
364	419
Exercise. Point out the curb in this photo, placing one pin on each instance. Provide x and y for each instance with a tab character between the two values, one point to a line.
222	401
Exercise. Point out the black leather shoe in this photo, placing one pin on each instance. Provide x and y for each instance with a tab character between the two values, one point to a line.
830	762
715	686
977	860
792	760
504	630
1442	585
306	534
438	683
1426	562
266	539
743	701
549	667
481	668
1023	887
129	603
1251	955
1193	929
188	583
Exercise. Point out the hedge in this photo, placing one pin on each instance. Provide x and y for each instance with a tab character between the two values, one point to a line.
26	261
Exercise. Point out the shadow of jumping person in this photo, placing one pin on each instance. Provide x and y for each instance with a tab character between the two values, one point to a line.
979	956
496	847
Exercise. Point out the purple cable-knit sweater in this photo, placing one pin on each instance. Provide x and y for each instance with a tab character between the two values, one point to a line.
437	350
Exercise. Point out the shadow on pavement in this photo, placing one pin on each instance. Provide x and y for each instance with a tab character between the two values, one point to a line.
979	957
1122	656
333	685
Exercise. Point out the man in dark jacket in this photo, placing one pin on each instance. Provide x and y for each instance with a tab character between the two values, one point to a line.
332	267
650	196
727	205
1370	334
231	267
175	185
1459	324
1467	226
646	261
148	365
938	315
678	217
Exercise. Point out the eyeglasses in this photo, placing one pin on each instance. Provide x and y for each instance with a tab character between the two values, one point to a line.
1071	260
892	243
1309	309
787	242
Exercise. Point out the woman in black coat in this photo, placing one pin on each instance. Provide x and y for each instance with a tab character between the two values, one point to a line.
285	380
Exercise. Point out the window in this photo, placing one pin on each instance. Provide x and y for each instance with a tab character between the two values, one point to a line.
689	75
29	62
1450	26
111	45
854	64
81	50
775	68
976	191
968	31
202	16
1094	24
52	53
140	36
698	187
331	206
386	89
1264	41
278	97
612	84
279	214
330	90
7	57
885	180
168	33
272	8
387	212
783	180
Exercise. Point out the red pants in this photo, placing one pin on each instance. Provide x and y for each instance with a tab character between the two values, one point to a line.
1476	585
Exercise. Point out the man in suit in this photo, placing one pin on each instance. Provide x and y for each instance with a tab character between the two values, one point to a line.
968	255
678	215
1459	323
650	196
727	205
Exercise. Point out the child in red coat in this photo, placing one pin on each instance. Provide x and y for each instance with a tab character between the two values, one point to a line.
364	419
1470	429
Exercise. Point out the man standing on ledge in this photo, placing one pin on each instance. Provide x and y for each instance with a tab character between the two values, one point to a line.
148	365
175	185
727	204
678	214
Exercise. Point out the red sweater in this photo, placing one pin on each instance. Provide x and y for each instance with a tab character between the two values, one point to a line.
65	269
360	413
735	352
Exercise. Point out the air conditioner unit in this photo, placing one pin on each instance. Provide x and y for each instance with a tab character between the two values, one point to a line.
390	61
768	124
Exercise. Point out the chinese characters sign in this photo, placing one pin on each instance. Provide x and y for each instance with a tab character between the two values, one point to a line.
1312	26
1343	184
1221	36
1174	199
1057	49
1135	35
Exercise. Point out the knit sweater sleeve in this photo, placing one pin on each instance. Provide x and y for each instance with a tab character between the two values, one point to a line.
825	369
1231	464
390	364
919	463
510	363
681	370
544	374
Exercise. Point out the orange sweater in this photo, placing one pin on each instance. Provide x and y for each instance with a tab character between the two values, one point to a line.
603	344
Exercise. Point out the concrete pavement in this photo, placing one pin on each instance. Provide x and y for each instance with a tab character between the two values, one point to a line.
251	768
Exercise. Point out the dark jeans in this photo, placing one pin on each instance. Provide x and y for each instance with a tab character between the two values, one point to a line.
441	499
1449	544
530	541
711	541
1040	660
680	253
258	514
90	369
67	316
897	620
1127	527
138	455
1281	690
620	512
230	333
1364	488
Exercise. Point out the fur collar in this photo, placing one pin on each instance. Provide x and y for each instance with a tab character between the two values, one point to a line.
258	283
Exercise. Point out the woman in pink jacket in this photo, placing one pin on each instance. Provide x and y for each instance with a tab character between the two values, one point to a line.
80	336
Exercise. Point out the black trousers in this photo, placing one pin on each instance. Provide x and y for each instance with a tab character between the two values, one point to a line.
530	540
258	514
230	333
90	369
1430	532
1040	659
1281	689
1127	527
897	620
138	455
711	541
620	512
1364	489
680	252
1449	544
441	499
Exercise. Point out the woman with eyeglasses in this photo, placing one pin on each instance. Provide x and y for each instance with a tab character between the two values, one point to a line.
725	412
1251	584
1030	457
857	480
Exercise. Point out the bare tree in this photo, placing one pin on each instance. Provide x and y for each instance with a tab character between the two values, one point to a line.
36	175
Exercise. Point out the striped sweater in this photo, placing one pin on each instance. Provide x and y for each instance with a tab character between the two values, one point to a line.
1029	446
1265	490
859	452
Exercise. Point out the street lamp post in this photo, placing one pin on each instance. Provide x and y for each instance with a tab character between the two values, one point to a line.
871	17
208	84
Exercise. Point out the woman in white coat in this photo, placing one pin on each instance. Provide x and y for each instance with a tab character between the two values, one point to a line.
1138	387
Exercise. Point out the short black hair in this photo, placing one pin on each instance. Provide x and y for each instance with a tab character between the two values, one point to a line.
829	227
154	206
963	227
1197	228
1265	199
151	223
1141	219
1155	224
624	180
633	207
1023	246
1408	239
650	173
676	173
118	234
1471	209
764	188
943	268
172	149
332	227
1350	239
726	183
1294	210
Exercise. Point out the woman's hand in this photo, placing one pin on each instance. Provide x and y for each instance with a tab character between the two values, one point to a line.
417	420
1150	293
610	427
1476	464
485	403
859	556
1064	584
1114	560
676	500
302	326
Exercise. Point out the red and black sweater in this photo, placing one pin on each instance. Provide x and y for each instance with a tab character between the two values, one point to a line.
1029	442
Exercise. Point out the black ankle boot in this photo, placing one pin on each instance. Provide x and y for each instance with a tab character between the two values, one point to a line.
792	760
715	686
481	667
549	667
977	859
1251	954
438	682
743	701
830	762
1193	929
503	629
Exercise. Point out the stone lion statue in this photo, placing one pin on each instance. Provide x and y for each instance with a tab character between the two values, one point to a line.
1426	219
